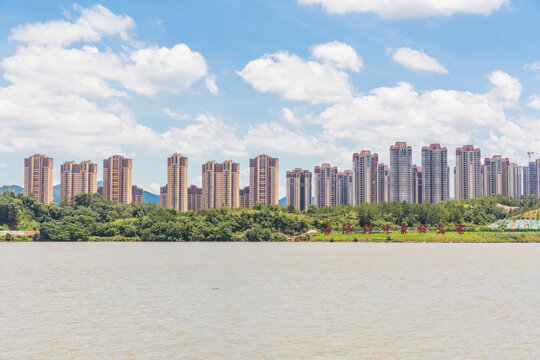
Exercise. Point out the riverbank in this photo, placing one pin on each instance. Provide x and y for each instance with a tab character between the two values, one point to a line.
449	237
392	237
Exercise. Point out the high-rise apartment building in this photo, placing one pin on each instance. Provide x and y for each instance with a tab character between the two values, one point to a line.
263	180
195	198
163	195
117	179
468	173
417	184
535	178
244	197
137	195
364	189
401	180
435	174
38	177
495	176
298	183
345	183
325	182
220	184
383	183
515	181
177	186
77	179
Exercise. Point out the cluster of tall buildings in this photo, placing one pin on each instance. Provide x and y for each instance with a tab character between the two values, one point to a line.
368	182
371	182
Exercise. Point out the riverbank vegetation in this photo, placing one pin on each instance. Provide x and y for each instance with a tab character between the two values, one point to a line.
93	218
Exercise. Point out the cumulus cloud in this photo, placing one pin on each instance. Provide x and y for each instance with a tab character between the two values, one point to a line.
62	95
416	60
343	55
273	136
451	117
176	116
91	26
402	9
294	78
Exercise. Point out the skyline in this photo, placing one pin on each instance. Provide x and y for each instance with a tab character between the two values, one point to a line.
315	84
368	181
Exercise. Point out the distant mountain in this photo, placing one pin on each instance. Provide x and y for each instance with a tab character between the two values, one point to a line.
16	188
56	194
147	196
283	201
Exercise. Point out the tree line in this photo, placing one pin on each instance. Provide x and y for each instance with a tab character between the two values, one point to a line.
93	217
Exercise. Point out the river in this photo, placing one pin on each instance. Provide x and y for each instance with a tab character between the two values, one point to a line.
269	301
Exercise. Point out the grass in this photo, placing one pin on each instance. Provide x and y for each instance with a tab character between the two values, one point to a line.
431	237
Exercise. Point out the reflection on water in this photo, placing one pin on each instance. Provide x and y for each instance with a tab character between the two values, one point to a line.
271	300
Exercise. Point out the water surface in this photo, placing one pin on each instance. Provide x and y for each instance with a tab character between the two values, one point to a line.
269	301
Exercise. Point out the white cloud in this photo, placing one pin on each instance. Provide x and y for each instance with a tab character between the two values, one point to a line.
211	85
402	9
176	115
69	98
532	66
273	136
154	188
534	101
417	60
343	55
91	26
289	116
209	134
294	78
450	117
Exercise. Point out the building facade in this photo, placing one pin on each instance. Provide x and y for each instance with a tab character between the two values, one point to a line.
244	197
325	183
364	189
38	177
117	179
177	175
298	184
163	195
401	180
495	176
77	179
195	198
435	174
383	183
345	184
220	184
468	173
137	195
515	181
418	189
263	180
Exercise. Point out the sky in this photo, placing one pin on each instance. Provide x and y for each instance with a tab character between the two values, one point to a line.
307	81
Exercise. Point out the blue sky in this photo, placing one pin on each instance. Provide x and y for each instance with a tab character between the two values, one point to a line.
308	81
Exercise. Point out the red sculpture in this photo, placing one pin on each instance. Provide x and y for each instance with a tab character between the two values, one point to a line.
422	229
328	228
346	229
386	228
440	229
459	229
368	228
403	229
